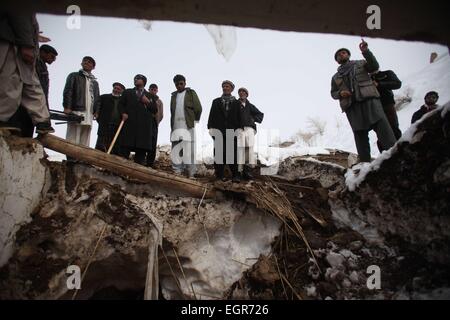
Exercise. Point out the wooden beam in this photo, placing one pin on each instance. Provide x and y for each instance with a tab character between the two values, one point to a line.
125	167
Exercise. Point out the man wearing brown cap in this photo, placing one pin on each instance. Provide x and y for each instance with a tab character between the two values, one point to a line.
222	123
108	118
248	115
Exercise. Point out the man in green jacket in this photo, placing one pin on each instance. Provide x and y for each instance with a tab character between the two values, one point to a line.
185	112
360	100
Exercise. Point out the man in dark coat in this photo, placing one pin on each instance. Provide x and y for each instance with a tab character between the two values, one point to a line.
360	100
47	55
431	99
224	119
386	81
153	90
137	111
108	118
249	115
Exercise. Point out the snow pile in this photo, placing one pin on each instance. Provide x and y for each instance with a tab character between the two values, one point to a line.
222	256
268	155
358	173
434	77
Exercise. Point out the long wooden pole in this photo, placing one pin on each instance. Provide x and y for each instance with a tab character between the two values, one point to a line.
172	183
115	137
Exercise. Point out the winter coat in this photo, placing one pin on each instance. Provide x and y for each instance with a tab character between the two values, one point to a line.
192	108
420	113
358	82
108	113
160	107
74	95
387	81
137	131
220	119
249	115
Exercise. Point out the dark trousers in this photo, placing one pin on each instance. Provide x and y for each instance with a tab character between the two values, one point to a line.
22	120
105	140
220	167
391	115
385	137
151	155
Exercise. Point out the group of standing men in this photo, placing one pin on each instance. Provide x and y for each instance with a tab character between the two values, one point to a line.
135	113
364	92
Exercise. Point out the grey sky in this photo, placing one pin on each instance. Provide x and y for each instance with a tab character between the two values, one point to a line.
288	74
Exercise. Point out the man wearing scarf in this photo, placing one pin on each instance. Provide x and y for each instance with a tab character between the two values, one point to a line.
108	118
81	97
223	121
359	99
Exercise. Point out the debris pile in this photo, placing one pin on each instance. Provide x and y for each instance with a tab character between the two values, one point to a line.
306	233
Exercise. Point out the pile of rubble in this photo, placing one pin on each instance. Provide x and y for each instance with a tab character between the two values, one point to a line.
313	231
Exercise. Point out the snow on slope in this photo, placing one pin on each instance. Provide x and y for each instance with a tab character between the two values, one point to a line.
434	77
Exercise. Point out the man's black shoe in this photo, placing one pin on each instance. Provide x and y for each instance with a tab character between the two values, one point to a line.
44	128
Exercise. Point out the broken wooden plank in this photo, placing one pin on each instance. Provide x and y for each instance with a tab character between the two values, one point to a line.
125	167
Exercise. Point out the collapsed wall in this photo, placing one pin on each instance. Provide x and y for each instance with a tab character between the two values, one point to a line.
22	185
135	237
143	241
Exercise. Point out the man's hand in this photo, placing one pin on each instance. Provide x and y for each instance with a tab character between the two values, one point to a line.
345	94
43	39
68	110
363	46
375	83
145	100
27	55
124	117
